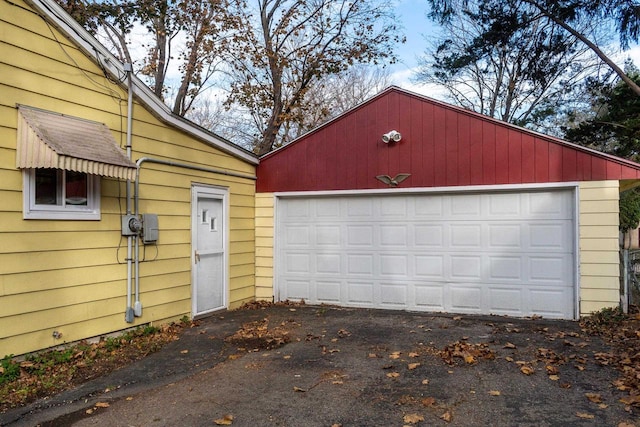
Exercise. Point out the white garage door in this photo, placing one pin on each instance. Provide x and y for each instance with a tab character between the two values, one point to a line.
490	253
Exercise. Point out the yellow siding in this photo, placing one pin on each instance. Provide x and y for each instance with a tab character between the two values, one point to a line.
599	260
70	276
264	246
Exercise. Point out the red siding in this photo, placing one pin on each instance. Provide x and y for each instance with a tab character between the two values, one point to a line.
441	146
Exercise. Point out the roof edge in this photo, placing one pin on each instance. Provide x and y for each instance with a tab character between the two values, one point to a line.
59	18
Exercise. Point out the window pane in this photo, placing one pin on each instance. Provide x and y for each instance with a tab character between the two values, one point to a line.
46	186
76	188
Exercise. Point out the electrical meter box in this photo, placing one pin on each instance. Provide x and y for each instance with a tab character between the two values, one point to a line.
149	228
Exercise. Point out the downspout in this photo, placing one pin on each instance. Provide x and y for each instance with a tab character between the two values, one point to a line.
129	313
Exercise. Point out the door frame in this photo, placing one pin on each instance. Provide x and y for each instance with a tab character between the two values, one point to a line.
209	192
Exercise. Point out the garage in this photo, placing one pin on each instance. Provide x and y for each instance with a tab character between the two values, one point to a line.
509	253
408	203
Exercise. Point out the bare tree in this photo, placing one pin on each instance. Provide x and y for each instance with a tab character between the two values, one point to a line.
189	32
285	47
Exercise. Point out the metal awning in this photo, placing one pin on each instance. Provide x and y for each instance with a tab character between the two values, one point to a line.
52	140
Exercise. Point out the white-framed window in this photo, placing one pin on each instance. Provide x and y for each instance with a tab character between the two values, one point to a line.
60	194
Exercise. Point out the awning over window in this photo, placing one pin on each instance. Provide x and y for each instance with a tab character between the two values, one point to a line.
52	140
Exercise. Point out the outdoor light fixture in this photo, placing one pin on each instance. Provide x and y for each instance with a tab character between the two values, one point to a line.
392	136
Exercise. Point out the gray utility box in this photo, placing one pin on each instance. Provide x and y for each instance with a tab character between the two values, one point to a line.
149	228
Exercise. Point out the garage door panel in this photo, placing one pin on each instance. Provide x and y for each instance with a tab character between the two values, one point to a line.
360	293
547	270
359	235
464	206
394	265
465	298
329	292
465	268
463	236
503	253
505	236
506	301
429	266
506	268
359	208
328	263
297	289
430	236
552	236
393	295
429	207
297	235
360	264
394	236
328	235
549	302
429	297
298	263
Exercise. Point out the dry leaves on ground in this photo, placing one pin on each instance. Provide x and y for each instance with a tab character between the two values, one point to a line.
257	336
469	353
622	333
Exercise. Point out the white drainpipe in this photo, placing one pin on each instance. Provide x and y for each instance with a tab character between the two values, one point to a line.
129	313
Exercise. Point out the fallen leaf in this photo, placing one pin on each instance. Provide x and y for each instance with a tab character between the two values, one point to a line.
227	420
552	370
509	345
129	398
102	405
394	355
425	382
372	355
626	424
565	385
428	401
286	356
89	411
446	416
580	367
584	415
554	377
527	370
594	397
184	351
413	418
413	366
469	359
494	393
630	400
457	318
393	375
413	354
299	390
603	406
508	359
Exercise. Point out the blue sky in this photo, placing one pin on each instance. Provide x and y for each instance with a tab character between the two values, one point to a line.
416	25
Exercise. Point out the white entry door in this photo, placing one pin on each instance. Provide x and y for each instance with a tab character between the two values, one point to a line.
509	253
209	255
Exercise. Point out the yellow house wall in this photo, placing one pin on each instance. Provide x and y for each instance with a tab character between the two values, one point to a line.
598	242
599	245
264	246
70	276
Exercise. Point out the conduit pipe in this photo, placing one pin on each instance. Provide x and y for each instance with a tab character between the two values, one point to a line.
137	310
129	313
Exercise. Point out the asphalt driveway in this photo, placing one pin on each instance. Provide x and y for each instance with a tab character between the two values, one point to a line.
353	367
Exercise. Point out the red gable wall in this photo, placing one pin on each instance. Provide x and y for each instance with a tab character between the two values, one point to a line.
441	145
